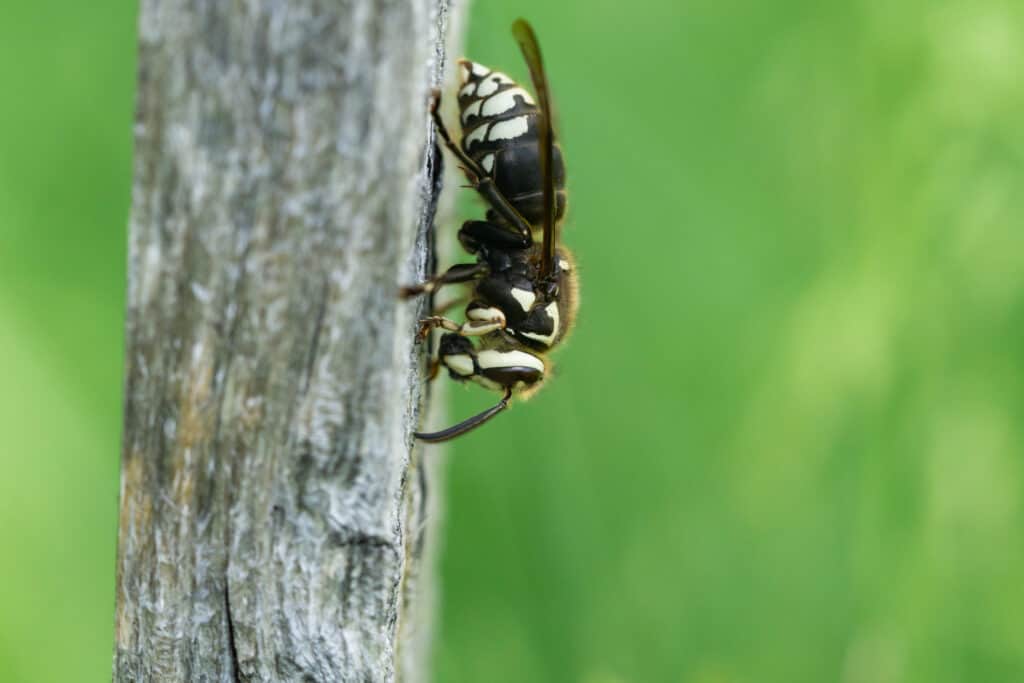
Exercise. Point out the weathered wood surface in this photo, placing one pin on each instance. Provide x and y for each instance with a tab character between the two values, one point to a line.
272	503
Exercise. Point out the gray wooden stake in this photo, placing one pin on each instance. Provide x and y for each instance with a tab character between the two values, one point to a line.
273	506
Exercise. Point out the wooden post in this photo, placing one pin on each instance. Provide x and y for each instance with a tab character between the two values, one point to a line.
272	501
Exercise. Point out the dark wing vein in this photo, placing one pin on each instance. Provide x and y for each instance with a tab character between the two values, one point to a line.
527	40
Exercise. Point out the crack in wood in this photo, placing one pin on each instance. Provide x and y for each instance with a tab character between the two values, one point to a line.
236	666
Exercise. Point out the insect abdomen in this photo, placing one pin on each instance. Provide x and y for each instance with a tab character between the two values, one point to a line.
499	131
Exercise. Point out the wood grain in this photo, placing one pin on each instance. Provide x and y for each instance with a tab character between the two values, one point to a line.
272	519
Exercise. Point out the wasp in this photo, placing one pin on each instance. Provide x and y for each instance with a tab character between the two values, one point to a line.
524	285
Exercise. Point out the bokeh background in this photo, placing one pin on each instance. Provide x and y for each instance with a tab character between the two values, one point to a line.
786	439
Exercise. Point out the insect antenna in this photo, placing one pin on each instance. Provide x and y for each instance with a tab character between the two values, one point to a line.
466	425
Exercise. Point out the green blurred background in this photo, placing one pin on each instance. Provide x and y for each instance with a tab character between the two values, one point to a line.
786	440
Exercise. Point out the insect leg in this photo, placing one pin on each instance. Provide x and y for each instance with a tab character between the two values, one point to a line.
433	369
479	179
491	320
473	234
462	272
449	305
468	424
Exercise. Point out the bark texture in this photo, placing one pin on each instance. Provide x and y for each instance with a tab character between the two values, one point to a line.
272	502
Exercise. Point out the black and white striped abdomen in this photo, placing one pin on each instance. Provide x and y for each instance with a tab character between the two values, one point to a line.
499	131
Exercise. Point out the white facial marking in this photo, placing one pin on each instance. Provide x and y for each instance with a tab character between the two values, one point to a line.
488	163
480	69
490	313
547	339
467	90
544	339
490	358
524	297
471	110
552	310
461	363
477	135
564	265
503	101
509	130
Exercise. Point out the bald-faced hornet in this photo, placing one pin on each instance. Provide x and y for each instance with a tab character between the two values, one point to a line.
524	294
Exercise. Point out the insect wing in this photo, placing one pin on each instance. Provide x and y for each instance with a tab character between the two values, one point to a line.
527	40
